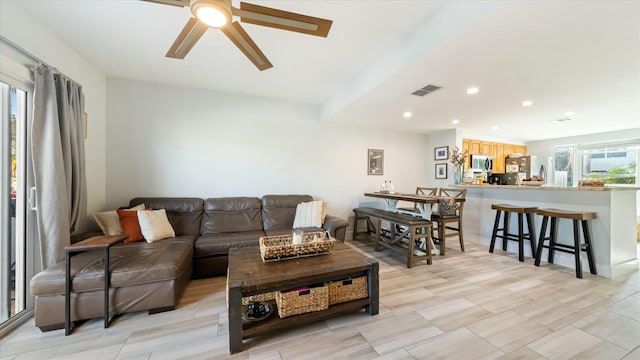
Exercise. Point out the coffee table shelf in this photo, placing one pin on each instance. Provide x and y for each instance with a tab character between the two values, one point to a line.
249	275
274	322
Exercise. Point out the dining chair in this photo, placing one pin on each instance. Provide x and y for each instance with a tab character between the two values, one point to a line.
425	191
448	224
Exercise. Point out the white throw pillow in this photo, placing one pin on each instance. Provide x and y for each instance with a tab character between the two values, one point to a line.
309	214
109	222
155	225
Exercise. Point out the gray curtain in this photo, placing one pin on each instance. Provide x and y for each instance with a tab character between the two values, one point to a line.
57	141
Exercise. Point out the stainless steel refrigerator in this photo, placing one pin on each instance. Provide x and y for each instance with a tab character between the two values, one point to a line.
522	168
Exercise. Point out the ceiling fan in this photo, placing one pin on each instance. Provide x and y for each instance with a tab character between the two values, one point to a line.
218	15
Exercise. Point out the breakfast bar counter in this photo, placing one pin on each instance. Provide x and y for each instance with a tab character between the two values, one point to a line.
613	231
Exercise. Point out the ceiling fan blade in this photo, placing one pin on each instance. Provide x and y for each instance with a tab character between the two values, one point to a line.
188	37
238	36
180	3
284	20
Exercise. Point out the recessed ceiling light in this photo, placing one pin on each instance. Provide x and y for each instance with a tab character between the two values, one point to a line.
455	121
472	90
569	113
407	114
527	103
495	127
562	119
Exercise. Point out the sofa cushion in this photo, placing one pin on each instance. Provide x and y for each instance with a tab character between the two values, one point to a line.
231	214
109	222
130	264
219	244
130	225
184	214
155	225
279	211
309	214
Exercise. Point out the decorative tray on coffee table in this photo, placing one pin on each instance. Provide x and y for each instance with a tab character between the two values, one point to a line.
281	247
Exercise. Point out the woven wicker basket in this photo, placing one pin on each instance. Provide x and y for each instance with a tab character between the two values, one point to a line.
302	301
347	290
280	247
259	297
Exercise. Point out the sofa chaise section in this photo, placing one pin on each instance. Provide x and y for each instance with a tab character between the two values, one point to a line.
144	276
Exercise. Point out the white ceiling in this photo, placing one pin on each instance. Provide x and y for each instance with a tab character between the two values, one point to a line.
580	56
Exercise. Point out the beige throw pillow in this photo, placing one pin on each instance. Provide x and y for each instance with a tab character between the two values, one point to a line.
155	225
109	222
309	214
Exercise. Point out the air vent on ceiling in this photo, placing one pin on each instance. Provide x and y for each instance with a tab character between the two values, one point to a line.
426	90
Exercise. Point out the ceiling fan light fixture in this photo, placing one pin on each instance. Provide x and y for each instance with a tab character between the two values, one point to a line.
214	13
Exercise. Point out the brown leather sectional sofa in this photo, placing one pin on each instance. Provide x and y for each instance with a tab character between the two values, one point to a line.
153	276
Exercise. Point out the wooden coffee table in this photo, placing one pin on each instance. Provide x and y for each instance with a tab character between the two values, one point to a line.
249	275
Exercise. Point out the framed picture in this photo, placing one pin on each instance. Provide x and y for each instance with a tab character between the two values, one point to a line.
441	171
441	153
375	160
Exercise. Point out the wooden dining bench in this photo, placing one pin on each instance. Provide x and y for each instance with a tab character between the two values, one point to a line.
411	228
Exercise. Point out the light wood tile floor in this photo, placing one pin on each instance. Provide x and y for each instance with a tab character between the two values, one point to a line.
471	305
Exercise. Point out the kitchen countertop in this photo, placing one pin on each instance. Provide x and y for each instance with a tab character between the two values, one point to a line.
547	187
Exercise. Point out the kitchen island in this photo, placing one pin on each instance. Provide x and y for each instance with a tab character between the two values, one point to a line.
613	232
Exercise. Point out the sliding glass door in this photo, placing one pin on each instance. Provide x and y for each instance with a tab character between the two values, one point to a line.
16	223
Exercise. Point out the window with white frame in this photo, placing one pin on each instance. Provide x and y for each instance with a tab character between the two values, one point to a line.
615	164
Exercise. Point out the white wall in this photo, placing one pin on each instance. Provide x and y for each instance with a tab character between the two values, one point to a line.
545	147
450	138
170	141
28	33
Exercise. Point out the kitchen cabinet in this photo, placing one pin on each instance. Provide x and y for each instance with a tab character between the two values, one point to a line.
495	149
474	146
465	150
509	149
478	147
485	148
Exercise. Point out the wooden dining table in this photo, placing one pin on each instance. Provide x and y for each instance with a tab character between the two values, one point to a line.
423	202
423	205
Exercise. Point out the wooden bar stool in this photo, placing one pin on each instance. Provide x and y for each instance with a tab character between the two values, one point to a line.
520	237
576	216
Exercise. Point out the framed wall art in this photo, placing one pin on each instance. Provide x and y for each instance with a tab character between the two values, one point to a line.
441	171
375	161
441	153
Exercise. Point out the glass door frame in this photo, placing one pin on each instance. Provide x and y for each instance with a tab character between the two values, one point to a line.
27	256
